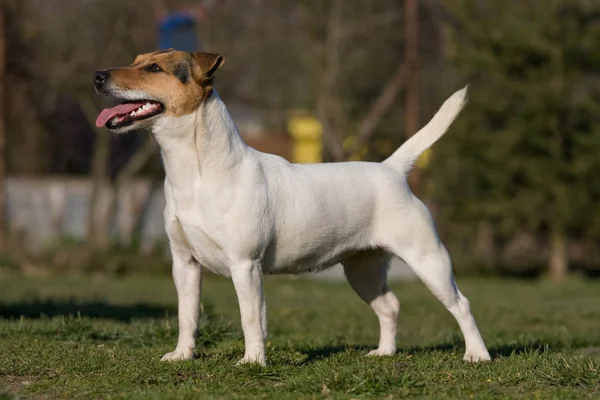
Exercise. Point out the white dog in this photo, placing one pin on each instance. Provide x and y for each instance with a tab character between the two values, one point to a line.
242	213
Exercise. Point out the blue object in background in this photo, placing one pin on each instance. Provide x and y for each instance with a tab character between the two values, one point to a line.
178	31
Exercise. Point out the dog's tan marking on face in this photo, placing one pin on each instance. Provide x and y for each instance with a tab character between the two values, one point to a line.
179	80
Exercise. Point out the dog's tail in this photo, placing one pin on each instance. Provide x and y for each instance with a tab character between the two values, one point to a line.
404	158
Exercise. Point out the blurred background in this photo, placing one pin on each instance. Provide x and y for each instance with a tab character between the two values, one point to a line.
514	186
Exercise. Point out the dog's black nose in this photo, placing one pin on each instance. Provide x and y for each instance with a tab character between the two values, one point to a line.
100	77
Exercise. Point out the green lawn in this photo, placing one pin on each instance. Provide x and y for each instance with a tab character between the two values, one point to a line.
103	338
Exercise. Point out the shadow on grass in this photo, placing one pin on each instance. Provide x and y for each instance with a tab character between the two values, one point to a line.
495	352
95	309
319	353
508	350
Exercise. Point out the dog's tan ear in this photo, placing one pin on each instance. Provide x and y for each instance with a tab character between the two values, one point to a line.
204	65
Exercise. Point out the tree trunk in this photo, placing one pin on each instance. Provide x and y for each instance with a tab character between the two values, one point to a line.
123	180
329	106
558	259
3	227
412	81
484	245
98	222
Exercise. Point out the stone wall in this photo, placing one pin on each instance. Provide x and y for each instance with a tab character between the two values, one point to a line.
42	210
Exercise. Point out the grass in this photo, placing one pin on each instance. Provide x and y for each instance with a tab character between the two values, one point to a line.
89	337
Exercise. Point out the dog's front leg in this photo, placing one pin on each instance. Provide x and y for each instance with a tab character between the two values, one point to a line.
187	275
247	279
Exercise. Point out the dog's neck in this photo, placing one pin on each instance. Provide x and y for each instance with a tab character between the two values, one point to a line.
203	144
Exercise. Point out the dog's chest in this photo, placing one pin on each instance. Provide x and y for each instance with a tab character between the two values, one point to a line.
189	234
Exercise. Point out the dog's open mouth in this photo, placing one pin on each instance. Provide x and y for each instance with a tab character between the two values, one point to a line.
128	112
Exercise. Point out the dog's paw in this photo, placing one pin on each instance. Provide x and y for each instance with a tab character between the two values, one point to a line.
477	356
178	355
252	360
381	352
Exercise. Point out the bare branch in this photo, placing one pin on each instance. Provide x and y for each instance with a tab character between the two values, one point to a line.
136	162
368	24
380	107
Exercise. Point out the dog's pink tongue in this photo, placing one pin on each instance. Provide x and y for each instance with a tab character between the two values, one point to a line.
109	113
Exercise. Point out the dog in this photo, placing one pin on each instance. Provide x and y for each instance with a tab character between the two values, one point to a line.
241	213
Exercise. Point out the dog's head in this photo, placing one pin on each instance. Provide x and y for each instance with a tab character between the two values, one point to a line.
163	83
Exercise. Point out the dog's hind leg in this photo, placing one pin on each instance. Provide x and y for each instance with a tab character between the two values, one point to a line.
367	274
422	250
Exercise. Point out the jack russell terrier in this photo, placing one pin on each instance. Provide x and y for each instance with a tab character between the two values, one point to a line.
241	213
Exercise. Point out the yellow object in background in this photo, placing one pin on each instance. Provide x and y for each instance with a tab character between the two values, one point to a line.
356	154
307	133
424	159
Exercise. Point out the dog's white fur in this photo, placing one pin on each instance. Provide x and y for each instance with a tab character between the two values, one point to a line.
242	213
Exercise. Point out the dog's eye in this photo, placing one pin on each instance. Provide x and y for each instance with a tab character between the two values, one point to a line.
153	68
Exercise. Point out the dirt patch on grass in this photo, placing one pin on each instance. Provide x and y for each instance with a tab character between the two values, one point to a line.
12	385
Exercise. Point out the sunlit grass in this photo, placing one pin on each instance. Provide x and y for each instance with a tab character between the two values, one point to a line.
98	337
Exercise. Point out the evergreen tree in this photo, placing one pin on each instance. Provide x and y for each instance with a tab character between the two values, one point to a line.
524	156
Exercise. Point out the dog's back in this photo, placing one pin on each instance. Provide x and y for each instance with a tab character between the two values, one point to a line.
335	208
